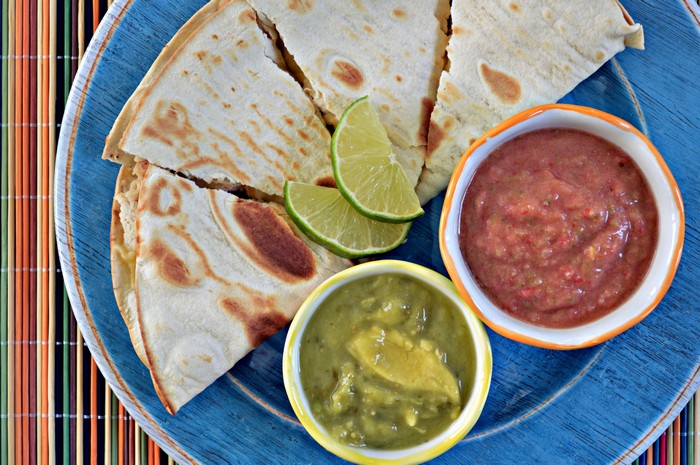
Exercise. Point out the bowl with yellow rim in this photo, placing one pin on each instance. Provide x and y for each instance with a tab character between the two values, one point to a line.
497	298
368	373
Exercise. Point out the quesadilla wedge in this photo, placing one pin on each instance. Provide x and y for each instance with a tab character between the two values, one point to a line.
202	277
508	56
218	106
389	50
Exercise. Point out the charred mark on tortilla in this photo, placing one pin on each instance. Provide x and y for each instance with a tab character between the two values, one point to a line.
348	74
504	86
276	248
435	137
259	321
160	205
171	267
398	13
327	181
171	124
426	110
300	6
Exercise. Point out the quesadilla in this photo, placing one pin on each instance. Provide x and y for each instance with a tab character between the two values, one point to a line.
506	57
217	105
202	277
389	50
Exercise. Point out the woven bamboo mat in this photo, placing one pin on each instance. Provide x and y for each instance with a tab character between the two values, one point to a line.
55	407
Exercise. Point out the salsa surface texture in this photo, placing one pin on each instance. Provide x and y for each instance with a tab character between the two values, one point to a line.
386	362
558	227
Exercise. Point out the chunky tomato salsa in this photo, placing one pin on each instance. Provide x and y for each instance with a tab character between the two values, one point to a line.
558	227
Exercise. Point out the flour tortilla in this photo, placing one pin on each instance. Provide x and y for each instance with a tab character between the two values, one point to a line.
213	276
390	50
508	56
218	106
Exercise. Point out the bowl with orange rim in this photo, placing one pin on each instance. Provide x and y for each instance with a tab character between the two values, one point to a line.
562	227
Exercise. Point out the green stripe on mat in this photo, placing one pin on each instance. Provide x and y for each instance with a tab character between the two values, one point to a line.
691	431
144	447
4	390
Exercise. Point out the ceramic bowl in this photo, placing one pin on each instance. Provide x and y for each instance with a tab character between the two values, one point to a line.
416	454
670	226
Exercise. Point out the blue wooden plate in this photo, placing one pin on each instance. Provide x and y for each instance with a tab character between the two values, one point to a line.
598	405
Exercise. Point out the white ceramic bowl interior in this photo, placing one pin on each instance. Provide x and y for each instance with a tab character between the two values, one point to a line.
670	227
454	433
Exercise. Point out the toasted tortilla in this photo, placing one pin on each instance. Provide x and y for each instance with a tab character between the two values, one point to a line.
386	49
202	277
218	106
508	56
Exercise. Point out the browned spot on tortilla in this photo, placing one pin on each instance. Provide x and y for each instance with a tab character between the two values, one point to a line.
215	37
599	55
203	265
216	59
384	107
472	140
398	13
303	134
259	323
184	185
547	15
300	6
303	151
505	87
289	120
233	89
326	181
514	7
348	74
200	55
241	43
456	30
170	267
246	16
276	248
206	358
227	105
296	166
367	29
435	137
426	109
398	78
152	200
185	72
170	125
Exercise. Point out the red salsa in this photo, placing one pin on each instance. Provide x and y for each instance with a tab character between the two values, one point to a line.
558	227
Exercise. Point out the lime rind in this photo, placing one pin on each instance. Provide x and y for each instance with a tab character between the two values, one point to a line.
324	215
367	174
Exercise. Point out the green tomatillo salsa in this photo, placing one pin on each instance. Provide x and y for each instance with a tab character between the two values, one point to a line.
386	362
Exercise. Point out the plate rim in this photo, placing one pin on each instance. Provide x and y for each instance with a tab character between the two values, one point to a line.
72	117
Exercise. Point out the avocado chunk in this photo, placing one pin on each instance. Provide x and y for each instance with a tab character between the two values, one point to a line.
416	366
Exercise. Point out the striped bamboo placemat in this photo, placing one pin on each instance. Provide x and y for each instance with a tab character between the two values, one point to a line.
55	407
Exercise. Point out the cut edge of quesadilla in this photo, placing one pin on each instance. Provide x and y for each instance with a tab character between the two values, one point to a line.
304	129
111	150
123	250
451	116
145	189
411	156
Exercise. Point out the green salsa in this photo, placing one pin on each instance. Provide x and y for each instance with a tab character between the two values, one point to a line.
386	362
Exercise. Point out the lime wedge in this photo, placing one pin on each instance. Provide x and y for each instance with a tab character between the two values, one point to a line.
366	170
327	218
